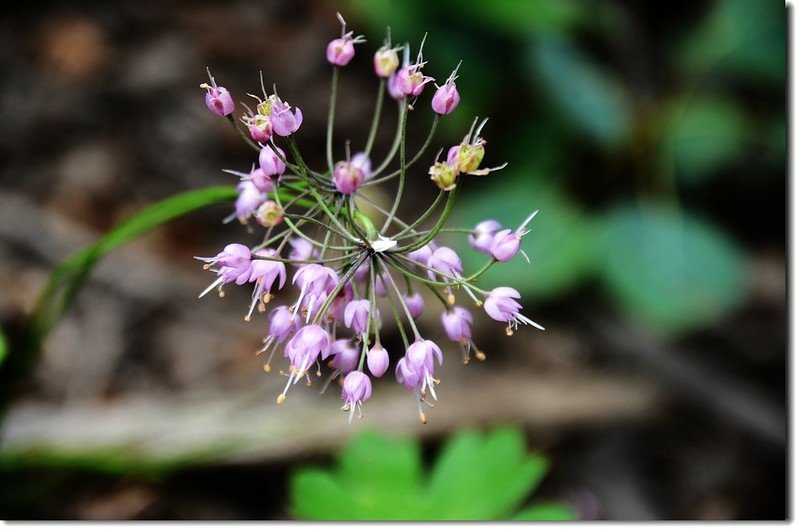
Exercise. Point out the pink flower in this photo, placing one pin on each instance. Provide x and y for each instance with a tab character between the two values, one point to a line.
269	214
347	177
262	180
270	162
233	264
446	262
415	369
500	306
356	390
313	280
356	315
415	304
342	50
377	360
303	350
218	99
456	322
282	323
264	273
284	121
302	250
248	201
505	244
345	356
481	237
361	161
393	87
411	81
446	98
259	126
422	255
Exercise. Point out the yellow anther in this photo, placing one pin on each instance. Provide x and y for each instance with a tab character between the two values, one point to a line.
281	398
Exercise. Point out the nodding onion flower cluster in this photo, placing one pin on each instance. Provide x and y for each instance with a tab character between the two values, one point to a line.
346	270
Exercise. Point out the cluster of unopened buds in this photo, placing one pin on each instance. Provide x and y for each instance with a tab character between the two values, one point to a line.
349	268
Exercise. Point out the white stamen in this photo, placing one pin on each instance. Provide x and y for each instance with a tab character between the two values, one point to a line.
211	287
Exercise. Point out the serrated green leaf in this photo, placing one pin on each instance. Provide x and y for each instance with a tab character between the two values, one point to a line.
546	512
585	92
668	269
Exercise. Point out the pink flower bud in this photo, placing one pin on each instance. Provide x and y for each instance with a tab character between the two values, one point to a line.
377	361
340	51
347	177
218	99
415	304
446	98
270	162
385	61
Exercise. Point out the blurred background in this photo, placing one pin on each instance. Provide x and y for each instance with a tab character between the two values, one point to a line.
650	136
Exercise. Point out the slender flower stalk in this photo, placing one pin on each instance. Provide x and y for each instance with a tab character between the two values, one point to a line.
346	263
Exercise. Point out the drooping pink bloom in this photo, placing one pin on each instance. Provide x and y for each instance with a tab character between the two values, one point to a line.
264	272
248	201
505	243
456	322
481	237
356	390
262	180
501	306
218	99
377	360
313	280
303	350
445	261
422	255
356	315
416	368
415	304
233	265
302	250
270	162
345	356
282	323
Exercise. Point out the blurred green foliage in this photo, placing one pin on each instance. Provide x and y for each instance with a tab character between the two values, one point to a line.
644	104
475	477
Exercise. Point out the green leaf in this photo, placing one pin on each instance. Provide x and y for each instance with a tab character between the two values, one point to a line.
546	512
561	244
704	135
669	269
586	93
316	495
383	477
477	478
739	36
